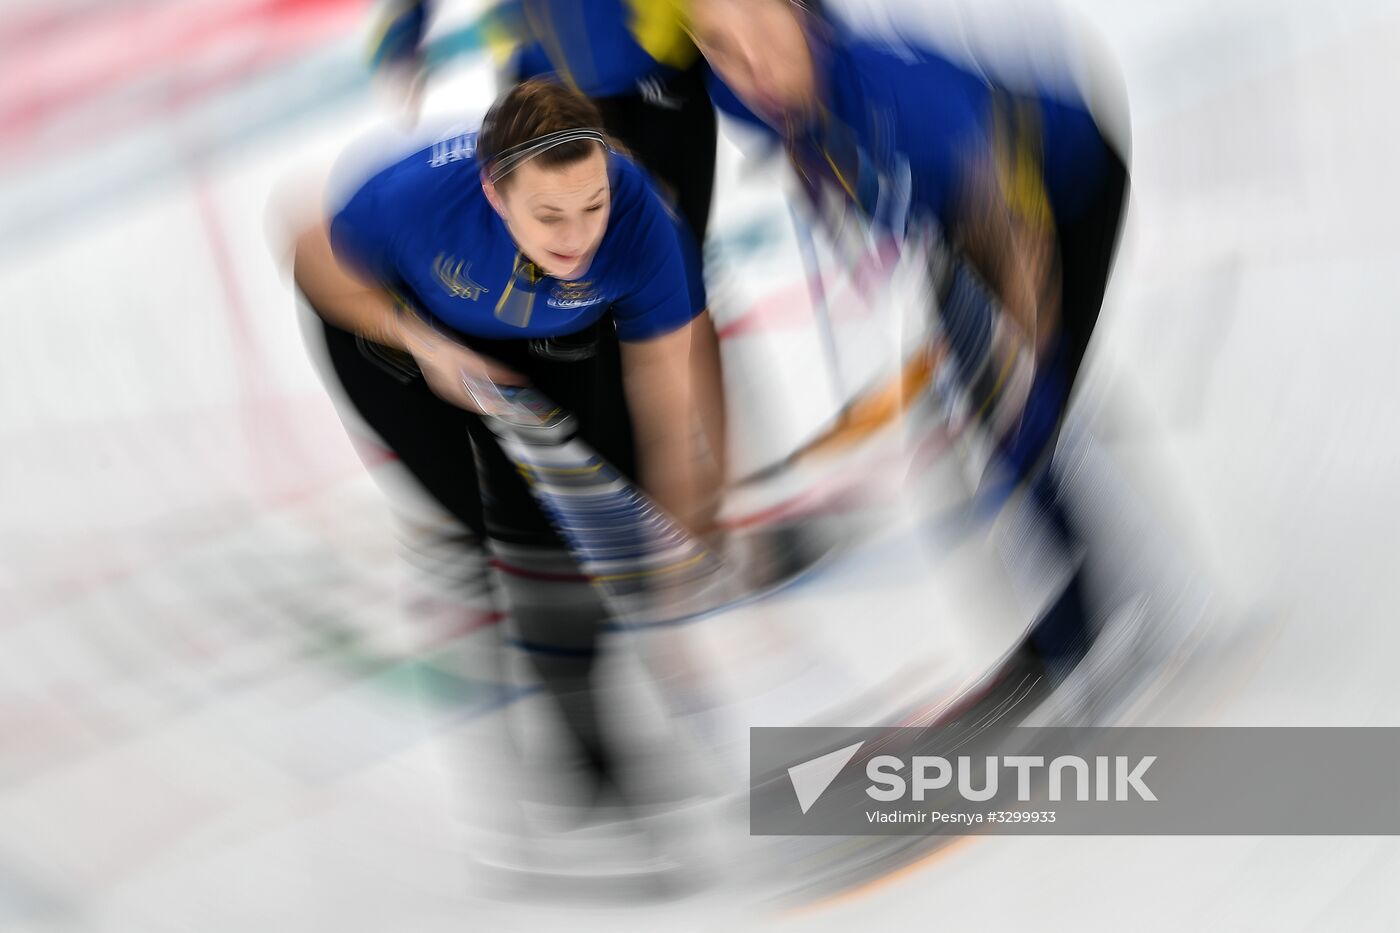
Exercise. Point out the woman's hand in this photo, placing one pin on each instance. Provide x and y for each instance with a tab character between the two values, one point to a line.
446	364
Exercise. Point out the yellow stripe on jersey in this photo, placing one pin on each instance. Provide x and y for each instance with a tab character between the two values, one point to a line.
516	307
1020	170
658	26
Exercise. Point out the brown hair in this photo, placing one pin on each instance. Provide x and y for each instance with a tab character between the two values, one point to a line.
533	109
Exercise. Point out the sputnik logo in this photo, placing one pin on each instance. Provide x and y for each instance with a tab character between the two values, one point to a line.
811	778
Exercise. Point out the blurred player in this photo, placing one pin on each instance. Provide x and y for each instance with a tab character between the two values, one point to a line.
535	254
1025	186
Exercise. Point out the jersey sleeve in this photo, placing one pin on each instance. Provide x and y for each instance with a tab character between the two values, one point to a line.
362	233
667	288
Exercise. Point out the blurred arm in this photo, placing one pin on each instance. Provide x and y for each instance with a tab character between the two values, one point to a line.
1014	254
343	299
661	394
707	373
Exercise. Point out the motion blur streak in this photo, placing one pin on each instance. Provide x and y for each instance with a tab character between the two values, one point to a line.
240	691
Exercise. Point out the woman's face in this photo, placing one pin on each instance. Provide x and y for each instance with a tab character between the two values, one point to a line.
760	52
556	215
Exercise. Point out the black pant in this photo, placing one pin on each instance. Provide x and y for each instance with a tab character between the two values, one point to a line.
1087	246
672	134
429	436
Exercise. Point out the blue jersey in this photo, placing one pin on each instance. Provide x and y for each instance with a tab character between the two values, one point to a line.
895	130
603	48
423	228
921	107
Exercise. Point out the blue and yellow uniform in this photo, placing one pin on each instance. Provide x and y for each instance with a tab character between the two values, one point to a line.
423	227
894	130
603	48
897	133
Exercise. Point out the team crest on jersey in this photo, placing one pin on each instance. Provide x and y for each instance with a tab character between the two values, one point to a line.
455	276
570	295
456	149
